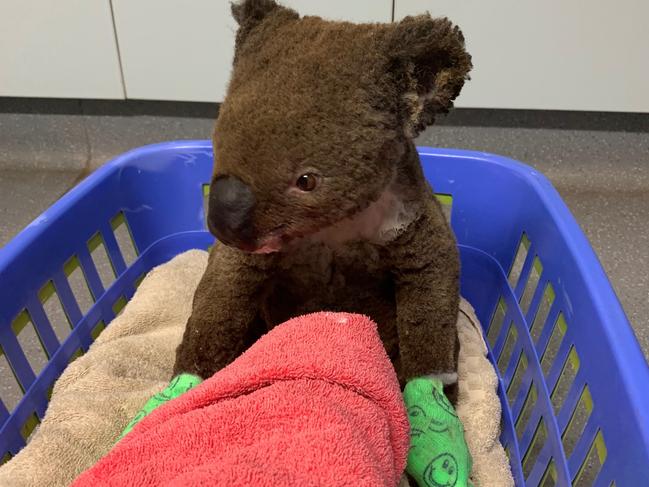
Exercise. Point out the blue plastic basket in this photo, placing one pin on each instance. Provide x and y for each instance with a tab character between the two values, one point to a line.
573	381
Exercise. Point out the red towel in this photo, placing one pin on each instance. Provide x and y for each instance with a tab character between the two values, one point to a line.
314	402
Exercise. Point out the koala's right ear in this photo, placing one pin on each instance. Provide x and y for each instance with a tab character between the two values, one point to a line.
251	13
432	65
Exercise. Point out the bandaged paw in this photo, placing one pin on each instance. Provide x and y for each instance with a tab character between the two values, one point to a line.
438	455
177	387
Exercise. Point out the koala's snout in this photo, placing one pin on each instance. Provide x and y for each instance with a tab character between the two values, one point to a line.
230	212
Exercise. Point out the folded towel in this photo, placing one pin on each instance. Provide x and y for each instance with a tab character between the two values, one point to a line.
478	405
100	392
314	401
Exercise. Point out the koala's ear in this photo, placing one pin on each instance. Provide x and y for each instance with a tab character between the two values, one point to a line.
250	13
432	66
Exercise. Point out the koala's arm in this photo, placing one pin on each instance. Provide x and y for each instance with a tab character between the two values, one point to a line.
425	264
224	320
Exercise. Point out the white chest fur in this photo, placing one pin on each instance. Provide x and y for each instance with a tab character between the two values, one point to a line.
380	222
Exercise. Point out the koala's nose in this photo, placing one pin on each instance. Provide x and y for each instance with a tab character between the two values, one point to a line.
230	210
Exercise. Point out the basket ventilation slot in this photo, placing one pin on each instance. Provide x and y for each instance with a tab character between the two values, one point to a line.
519	261
11	392
124	238
30	427
531	285
53	308
534	450
79	284
206	201
592	463
30	342
542	313
577	422
446	201
105	269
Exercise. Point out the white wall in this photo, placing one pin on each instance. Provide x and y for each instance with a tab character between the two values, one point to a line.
58	48
182	50
551	54
538	54
351	10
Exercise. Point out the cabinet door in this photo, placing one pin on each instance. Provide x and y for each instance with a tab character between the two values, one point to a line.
58	48
551	54
174	50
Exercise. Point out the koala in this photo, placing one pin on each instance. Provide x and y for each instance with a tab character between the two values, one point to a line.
318	200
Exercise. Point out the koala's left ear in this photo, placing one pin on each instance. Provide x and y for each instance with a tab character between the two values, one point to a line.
432	66
251	13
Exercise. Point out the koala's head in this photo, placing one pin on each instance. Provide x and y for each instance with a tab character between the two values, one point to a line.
317	115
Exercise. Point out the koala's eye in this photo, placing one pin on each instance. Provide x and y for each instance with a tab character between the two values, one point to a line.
307	182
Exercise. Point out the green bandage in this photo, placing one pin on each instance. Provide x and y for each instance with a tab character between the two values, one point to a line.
178	386
438	455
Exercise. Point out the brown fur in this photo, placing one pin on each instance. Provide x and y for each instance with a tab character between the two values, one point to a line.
341	101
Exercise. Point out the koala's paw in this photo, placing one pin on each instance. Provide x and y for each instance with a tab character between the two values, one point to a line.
438	452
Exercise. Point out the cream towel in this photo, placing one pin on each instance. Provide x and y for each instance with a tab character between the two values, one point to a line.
99	393
478	405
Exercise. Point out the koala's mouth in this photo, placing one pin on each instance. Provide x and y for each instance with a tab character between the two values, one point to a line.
280	238
269	245
274	241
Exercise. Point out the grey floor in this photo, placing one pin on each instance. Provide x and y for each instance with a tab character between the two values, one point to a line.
599	165
24	194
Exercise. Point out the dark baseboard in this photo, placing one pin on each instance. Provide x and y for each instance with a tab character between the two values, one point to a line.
548	119
471	117
58	106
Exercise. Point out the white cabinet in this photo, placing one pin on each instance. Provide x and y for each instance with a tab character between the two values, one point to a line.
58	48
175	50
551	54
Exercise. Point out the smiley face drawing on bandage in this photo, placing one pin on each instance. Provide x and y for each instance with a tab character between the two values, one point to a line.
441	471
